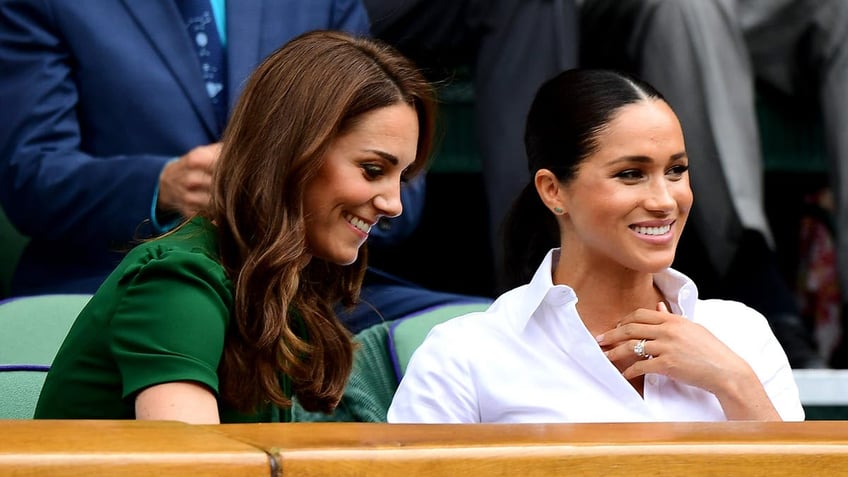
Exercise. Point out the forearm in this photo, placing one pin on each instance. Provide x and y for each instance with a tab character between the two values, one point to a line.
743	397
79	198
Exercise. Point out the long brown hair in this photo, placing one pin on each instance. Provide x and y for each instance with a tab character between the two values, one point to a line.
297	102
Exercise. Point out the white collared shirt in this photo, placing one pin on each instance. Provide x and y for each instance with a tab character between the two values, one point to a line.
529	358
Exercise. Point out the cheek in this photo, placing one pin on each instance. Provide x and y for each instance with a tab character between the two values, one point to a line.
684	197
313	212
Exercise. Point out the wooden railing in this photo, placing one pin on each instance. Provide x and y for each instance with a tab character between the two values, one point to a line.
123	448
64	448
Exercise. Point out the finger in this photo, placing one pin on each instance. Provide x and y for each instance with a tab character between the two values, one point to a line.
640	368
196	200
625	353
643	315
202	161
198	181
629	331
621	356
662	308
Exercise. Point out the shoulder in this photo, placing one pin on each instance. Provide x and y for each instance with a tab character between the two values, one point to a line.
728	316
194	241
716	312
739	326
184	263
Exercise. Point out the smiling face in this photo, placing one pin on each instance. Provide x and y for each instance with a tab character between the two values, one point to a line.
359	182
629	200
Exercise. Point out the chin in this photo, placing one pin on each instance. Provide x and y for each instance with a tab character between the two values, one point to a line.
346	263
660	266
651	264
344	260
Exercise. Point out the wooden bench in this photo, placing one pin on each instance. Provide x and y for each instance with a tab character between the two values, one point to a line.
129	448
654	449
123	448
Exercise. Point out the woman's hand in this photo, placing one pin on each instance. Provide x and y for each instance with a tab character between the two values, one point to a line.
689	353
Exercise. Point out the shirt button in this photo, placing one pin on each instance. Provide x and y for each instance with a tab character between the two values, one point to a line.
652	380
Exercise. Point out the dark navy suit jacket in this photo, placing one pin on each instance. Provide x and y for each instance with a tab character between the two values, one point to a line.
95	97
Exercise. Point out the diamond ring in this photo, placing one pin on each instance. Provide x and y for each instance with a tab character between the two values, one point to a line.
639	350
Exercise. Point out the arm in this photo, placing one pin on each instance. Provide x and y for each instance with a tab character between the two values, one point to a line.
179	401
77	164
167	336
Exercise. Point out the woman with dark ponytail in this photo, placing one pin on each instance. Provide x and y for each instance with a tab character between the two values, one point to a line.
605	330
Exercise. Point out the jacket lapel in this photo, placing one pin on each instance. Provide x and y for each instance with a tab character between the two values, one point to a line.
162	24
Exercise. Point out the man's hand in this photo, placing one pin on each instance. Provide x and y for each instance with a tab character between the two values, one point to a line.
185	184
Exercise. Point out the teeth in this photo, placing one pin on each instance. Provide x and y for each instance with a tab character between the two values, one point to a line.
652	230
359	223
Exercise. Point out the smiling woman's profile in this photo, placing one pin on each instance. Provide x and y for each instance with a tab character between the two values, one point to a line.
231	316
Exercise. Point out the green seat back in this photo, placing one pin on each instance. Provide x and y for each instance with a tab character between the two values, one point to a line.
31	331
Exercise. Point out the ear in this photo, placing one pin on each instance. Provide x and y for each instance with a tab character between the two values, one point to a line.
550	191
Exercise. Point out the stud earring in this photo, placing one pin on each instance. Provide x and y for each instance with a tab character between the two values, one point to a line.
558	210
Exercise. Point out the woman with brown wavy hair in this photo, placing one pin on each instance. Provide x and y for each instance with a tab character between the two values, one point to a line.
231	315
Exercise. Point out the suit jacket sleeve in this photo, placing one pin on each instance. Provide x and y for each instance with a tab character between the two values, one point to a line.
52	186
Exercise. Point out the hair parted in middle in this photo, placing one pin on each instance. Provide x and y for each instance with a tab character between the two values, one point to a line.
296	103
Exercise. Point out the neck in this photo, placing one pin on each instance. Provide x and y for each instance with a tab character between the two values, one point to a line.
605	297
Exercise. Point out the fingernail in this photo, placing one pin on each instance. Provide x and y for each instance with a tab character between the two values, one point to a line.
599	338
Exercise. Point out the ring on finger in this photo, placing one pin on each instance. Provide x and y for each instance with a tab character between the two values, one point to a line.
639	349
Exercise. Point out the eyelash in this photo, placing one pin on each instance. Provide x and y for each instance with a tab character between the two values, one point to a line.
635	174
679	169
629	174
372	171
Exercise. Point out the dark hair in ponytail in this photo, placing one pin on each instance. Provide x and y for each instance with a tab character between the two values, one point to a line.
567	114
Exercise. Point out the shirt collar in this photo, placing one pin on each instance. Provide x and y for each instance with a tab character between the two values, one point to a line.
522	302
679	290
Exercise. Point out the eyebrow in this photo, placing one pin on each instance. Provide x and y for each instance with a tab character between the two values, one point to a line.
644	159
385	155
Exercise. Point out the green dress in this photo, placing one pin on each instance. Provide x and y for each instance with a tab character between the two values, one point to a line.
161	316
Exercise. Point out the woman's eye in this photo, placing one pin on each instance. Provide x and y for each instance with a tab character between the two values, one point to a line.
678	170
630	174
372	171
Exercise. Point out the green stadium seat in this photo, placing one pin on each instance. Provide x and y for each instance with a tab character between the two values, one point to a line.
31	331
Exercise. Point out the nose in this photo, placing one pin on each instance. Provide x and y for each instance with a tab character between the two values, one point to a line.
661	198
388	203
